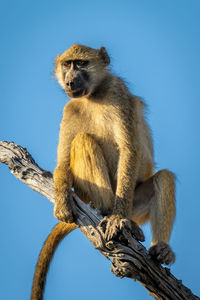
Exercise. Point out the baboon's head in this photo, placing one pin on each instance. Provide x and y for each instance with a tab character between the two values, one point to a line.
81	69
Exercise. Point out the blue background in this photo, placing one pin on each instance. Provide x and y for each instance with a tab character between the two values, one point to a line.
155	46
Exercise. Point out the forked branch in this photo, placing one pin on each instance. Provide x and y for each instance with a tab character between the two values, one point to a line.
129	258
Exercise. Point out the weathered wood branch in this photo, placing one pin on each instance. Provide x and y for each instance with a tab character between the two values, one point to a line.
128	257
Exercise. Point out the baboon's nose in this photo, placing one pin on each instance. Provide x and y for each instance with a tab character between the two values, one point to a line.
70	83
73	84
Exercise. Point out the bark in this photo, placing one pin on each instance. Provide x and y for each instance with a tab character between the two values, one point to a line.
129	258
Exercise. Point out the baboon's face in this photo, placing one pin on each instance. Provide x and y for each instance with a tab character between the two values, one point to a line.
76	78
80	70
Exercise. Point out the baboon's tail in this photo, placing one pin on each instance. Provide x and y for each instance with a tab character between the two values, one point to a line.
45	257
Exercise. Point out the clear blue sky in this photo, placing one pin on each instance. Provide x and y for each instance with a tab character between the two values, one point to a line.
155	46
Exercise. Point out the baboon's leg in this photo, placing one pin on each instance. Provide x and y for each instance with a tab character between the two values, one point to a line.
163	207
155	200
90	172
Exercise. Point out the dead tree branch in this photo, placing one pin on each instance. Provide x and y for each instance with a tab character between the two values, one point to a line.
128	257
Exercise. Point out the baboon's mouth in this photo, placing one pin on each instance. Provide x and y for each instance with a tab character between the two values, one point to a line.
76	93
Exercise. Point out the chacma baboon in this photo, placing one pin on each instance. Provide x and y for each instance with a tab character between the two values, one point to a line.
105	153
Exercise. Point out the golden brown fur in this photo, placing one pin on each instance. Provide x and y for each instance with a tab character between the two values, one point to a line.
46	254
105	152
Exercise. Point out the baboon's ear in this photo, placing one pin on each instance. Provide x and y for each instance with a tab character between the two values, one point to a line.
104	55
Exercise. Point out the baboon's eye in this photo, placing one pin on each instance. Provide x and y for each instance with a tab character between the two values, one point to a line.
82	63
67	64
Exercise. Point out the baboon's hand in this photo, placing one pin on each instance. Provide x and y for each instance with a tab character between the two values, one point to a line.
163	253
112	226
64	208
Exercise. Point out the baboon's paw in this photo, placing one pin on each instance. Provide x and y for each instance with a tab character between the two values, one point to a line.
163	253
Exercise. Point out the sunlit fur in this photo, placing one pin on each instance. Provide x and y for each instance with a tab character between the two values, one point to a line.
105	153
96	66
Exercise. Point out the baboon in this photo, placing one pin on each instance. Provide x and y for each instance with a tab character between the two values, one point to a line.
105	153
